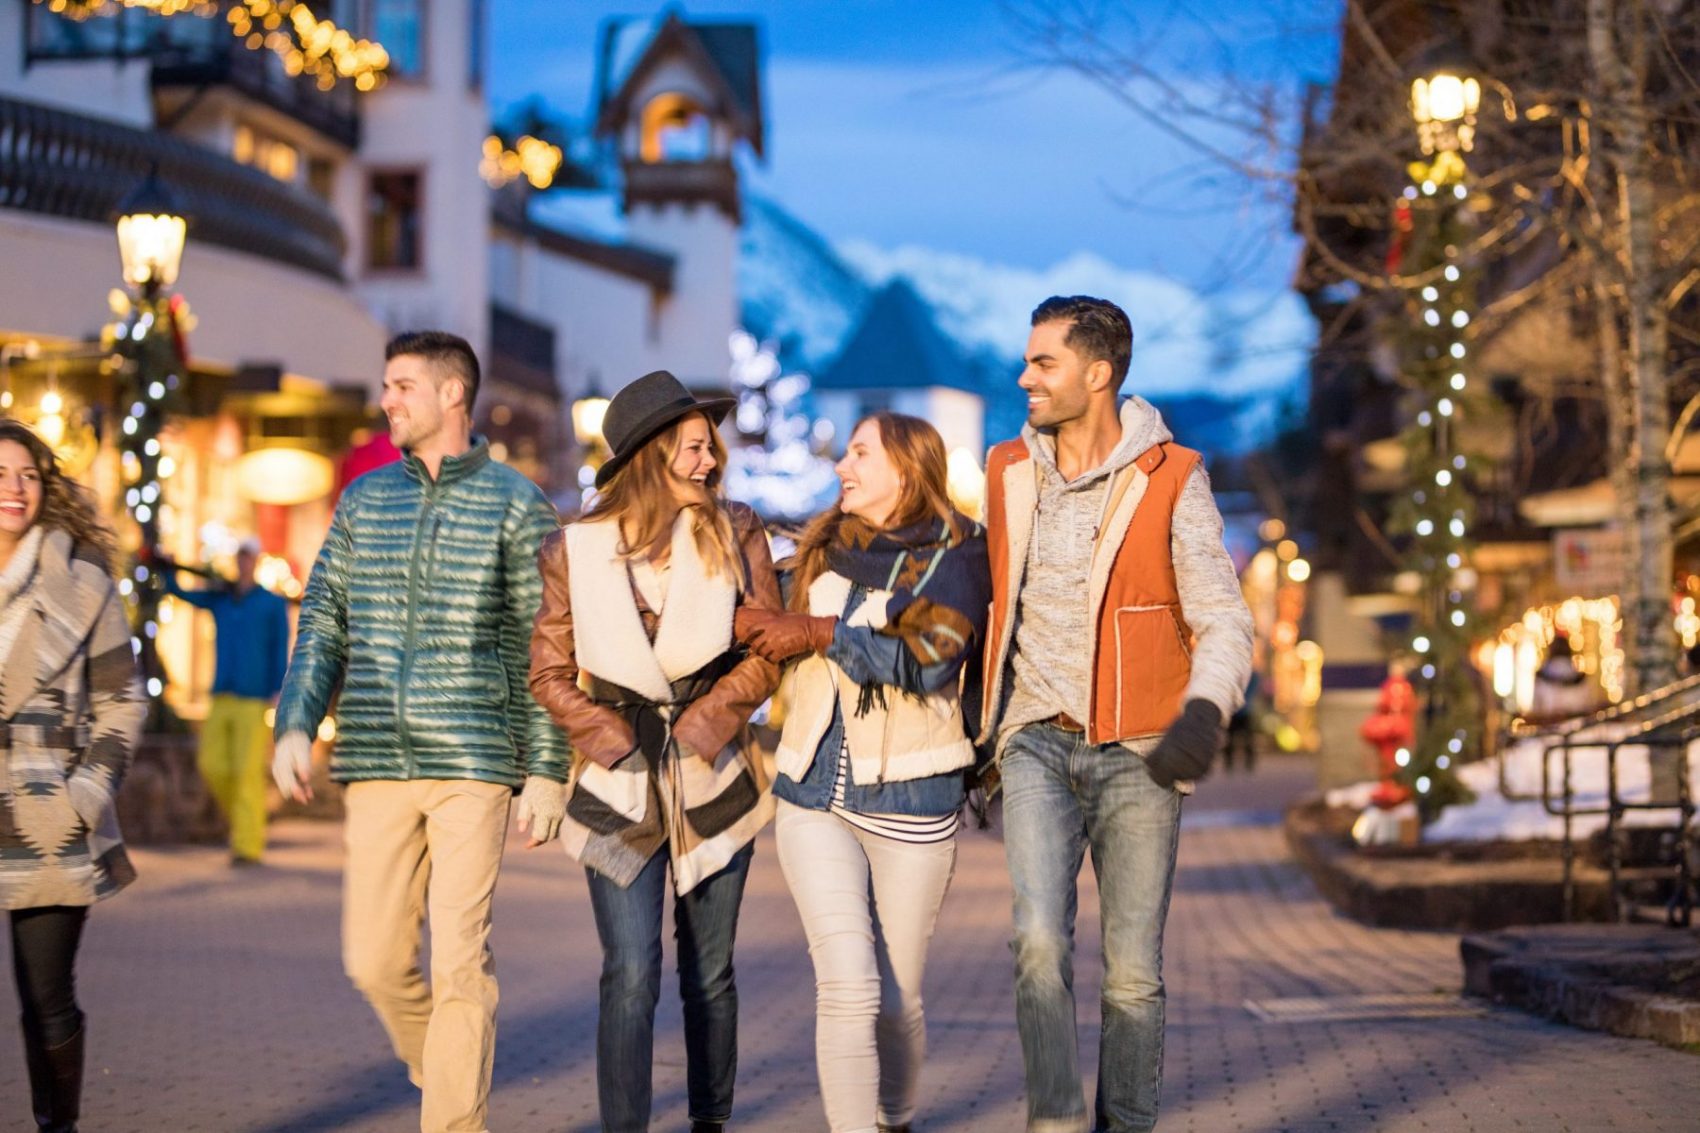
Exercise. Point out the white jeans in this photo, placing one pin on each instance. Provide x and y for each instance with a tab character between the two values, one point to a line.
868	905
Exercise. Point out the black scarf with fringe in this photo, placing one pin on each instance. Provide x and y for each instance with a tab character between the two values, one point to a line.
941	584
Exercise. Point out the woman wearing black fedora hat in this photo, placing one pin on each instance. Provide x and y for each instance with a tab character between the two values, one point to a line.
639	596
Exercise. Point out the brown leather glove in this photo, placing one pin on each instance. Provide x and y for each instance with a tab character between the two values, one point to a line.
778	635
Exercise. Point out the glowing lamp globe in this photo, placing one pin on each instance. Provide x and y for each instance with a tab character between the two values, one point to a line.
285	476
151	233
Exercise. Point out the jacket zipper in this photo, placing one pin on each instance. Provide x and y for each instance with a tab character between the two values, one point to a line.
426	510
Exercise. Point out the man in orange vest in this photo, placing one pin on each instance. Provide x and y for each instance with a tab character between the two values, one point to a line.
1119	645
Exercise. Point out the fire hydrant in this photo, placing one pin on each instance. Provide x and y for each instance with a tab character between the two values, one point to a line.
1391	728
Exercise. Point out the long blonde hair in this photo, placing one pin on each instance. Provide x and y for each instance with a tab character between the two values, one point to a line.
917	452
644	499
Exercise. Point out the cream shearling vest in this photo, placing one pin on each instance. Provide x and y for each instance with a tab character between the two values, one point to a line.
909	739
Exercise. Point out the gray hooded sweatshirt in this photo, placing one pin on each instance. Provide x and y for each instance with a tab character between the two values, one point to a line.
1051	662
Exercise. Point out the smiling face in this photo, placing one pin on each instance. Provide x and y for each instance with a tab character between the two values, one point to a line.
417	396
21	489
693	460
1059	381
871	483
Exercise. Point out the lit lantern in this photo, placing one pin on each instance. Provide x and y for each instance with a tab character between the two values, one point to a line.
285	476
588	414
1444	106
151	233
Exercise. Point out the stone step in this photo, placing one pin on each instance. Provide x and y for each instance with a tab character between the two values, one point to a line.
1638	981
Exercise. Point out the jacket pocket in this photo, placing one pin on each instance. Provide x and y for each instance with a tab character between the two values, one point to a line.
1153	667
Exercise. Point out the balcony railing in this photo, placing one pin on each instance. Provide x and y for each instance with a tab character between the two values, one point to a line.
67	165
260	76
523	350
193	54
713	181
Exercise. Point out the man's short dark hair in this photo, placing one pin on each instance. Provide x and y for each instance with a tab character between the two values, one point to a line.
1099	330
450	351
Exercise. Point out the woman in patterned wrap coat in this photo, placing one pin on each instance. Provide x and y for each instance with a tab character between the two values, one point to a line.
71	706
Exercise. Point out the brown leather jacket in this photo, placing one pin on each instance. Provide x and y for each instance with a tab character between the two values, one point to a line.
703	728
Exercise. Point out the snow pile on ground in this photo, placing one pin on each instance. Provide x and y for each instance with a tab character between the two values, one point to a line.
1494	817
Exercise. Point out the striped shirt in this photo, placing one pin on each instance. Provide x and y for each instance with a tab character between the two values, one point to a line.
900	827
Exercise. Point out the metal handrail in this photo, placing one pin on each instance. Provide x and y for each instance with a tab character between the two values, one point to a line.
1622	712
72	166
1675	728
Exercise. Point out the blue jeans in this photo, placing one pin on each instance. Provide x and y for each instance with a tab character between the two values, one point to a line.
628	921
1061	796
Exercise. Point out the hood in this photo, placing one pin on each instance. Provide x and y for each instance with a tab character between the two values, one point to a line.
1142	427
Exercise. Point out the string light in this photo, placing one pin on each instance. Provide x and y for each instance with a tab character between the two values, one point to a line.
532	158
306	44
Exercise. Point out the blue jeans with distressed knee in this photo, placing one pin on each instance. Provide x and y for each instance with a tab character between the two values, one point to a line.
1063	796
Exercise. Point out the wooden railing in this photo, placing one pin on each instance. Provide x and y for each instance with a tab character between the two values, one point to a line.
71	166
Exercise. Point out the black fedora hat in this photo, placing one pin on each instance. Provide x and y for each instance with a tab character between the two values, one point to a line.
644	408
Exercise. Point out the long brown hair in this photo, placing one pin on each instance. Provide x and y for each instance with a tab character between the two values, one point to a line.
65	504
643	498
916	450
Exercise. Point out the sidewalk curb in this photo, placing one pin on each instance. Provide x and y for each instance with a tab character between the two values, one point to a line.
1581	975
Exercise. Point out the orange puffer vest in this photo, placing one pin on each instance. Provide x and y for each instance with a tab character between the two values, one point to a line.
1142	649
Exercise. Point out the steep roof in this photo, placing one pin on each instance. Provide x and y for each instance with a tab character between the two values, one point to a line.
728	54
898	345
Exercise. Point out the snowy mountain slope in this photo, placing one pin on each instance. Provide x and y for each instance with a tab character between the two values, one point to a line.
794	289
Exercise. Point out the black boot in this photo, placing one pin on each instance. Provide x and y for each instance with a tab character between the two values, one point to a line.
708	1127
56	1082
884	1128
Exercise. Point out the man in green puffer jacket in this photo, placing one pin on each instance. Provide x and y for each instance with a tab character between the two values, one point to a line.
420	608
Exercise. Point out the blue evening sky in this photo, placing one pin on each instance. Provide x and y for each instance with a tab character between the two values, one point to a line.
923	123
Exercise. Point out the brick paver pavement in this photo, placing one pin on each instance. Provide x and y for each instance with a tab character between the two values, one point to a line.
218	1005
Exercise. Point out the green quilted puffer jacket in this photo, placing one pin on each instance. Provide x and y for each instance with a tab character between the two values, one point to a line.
420	607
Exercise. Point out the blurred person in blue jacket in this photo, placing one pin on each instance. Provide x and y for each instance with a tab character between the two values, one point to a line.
251	653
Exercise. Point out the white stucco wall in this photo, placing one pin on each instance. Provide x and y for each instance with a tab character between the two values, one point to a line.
959	417
700	315
601	322
435	124
98	89
58	274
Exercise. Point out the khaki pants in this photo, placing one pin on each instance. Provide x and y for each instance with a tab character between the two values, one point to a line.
233	763
418	847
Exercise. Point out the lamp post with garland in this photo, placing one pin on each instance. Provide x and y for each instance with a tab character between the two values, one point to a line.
147	339
1432	223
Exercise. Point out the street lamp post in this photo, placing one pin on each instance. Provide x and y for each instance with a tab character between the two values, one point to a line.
1432	219
152	229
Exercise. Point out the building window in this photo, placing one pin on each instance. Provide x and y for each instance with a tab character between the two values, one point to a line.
321	177
266	153
675	128
399	25
475	45
393	222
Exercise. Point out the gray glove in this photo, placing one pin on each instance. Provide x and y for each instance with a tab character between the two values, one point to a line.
1188	747
542	806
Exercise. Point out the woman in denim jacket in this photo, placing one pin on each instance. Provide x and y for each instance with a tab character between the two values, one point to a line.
890	590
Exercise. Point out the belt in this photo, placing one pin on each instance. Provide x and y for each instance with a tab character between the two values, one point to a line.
1063	722
45	735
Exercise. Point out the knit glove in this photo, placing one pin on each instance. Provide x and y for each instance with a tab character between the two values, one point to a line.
542	806
778	635
292	766
1187	748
